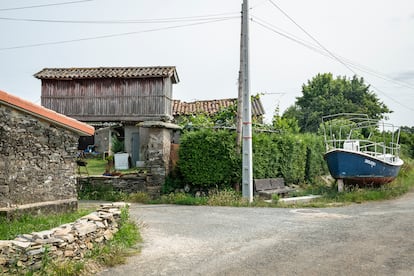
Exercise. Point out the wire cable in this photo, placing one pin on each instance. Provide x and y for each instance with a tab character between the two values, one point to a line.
45	5
334	56
114	35
131	21
317	49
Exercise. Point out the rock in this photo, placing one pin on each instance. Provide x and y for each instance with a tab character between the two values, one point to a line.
35	251
93	216
100	224
99	240
69	241
108	235
3	261
22	245
62	231
43	234
69	253
85	228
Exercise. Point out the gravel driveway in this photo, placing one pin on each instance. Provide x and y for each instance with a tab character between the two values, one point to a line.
362	239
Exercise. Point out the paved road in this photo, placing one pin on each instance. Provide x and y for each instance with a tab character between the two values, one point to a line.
362	239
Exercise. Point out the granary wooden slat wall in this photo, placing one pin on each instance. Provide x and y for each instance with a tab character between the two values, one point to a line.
113	99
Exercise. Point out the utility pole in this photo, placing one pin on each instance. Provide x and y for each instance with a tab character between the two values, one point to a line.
247	165
240	94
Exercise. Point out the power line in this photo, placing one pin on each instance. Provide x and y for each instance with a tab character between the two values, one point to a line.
131	21
114	35
45	5
317	49
334	56
325	54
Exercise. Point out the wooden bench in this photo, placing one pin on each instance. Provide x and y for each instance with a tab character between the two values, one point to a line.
267	187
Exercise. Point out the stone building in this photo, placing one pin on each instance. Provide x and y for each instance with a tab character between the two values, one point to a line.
114	100
38	149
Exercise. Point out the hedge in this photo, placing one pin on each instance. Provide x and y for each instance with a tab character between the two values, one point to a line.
208	158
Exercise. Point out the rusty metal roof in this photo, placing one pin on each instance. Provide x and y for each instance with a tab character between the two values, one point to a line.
212	106
108	72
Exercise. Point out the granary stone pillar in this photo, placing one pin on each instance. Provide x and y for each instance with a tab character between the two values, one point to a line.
157	157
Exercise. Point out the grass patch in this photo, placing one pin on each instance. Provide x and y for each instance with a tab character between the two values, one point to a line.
25	224
112	253
97	166
121	246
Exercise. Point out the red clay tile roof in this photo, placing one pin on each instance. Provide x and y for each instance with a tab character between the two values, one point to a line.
108	72
46	114
212	106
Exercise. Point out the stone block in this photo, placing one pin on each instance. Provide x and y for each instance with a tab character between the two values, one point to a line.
4	189
85	228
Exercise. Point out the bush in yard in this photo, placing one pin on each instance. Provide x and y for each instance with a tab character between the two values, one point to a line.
295	157
208	158
315	163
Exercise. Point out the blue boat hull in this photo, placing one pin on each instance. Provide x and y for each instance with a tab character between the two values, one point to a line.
359	168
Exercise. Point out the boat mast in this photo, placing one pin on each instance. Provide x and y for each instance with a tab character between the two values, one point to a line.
247	165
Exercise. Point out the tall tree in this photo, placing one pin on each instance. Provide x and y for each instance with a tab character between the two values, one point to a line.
324	95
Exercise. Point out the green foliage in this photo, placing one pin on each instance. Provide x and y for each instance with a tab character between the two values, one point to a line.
117	145
315	164
96	166
182	199
226	116
139	197
324	95
226	197
295	157
173	181
102	192
9	229
275	198
407	141
285	124
208	158
198	121
128	234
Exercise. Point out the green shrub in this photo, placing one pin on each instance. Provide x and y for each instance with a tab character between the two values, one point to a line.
139	197
226	197
295	157
208	158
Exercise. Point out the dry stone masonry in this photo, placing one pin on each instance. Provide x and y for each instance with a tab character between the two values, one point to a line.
37	160
68	241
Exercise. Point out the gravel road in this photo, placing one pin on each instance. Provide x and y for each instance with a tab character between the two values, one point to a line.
362	239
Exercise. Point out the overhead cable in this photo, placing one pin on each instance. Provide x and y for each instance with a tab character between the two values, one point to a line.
319	50
114	35
129	21
45	5
334	56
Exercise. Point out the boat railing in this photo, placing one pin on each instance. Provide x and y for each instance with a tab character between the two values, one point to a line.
378	150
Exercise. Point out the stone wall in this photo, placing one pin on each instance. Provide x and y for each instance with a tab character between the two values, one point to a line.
37	160
127	184
69	241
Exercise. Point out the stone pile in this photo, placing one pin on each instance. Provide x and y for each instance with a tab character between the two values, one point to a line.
68	241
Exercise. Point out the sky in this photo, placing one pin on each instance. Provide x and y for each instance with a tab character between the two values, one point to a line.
291	41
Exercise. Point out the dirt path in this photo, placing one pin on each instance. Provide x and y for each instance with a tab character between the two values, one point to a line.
366	239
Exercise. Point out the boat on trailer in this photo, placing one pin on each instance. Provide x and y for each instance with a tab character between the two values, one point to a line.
361	151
